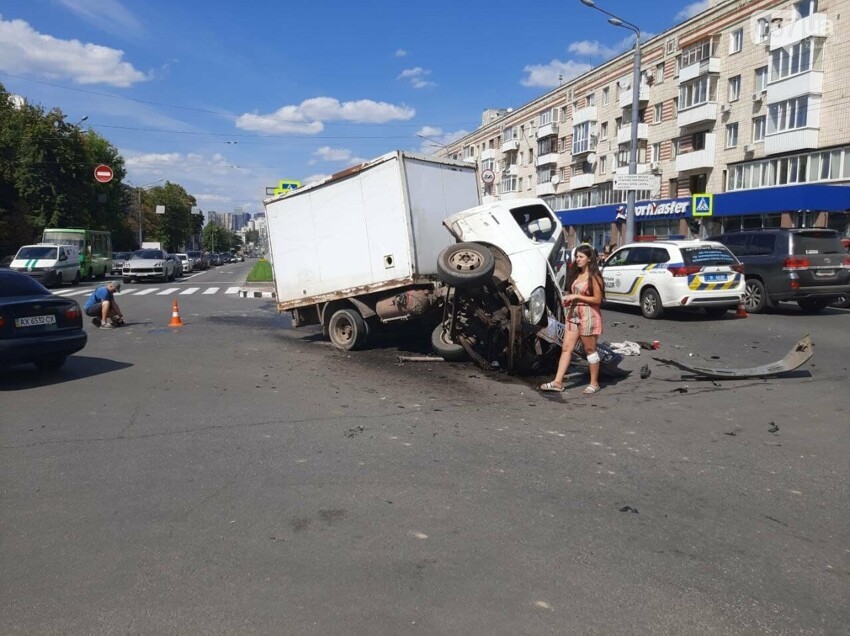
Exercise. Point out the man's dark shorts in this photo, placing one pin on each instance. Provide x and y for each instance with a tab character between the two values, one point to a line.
95	310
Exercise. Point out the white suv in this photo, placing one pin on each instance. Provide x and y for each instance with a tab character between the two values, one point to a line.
670	274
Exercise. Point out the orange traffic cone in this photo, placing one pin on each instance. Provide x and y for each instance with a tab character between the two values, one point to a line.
742	310
175	315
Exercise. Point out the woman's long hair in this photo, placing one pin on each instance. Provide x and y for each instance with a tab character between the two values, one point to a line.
594	275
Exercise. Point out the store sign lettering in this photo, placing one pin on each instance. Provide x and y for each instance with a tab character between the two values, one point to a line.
669	208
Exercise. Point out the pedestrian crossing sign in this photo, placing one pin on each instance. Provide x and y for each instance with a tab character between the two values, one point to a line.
703	204
286	186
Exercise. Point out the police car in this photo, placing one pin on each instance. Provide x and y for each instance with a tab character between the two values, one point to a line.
661	275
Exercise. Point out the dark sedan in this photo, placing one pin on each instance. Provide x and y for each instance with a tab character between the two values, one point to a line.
35	325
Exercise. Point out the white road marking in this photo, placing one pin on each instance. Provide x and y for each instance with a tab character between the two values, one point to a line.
189	290
66	292
210	290
145	292
170	290
79	292
232	290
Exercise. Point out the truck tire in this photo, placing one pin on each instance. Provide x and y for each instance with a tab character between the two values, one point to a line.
465	265
347	329
444	347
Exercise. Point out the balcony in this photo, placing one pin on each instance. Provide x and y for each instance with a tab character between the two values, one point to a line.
698	159
582	181
704	67
584	114
809	83
510	145
511	169
583	147
624	135
626	96
550	157
469	159
790	140
813	26
547	130
546	188
490	153
697	114
640	168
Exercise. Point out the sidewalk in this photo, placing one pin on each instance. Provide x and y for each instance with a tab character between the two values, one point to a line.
257	290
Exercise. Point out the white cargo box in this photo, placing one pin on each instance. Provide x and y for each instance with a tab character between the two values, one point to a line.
373	227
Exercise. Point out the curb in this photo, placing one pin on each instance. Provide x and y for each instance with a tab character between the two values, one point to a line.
247	293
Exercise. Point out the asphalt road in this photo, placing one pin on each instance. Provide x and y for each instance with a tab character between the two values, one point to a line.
235	475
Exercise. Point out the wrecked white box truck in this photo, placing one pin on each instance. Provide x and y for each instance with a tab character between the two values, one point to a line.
360	247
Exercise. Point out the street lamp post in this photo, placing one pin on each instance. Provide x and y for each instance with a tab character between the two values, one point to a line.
139	192
630	200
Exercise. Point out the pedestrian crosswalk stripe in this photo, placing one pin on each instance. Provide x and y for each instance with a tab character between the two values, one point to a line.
232	290
189	290
170	290
210	290
145	292
79	292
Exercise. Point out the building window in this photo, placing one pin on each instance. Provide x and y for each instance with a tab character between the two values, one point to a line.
788	115
763	33
656	152
761	79
734	88
548	117
605	96
698	140
581	138
603	165
824	165
698	91
675	106
759	124
547	145
736	41
603	130
673	188
806	55
659	113
805	8
659	73
618	122
674	148
511	134
509	183
731	135
469	152
698	52
591	99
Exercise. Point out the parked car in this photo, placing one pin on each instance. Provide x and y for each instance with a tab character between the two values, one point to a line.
178	265
146	264
199	260
809	266
36	326
118	260
214	258
186	262
663	275
48	263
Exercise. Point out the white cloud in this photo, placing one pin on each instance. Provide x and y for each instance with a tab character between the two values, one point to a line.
434	138
326	153
401	53
417	77
108	15
208	198
25	51
553	74
691	10
310	115
591	48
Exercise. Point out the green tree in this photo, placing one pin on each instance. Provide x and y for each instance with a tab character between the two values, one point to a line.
215	238
174	227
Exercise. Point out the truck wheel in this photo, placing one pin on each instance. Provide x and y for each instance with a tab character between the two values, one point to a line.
465	265
347	329
650	304
445	347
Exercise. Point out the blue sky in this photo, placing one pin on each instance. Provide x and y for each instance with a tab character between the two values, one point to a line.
226	98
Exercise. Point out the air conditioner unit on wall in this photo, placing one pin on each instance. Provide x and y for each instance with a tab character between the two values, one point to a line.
759	95
749	148
725	108
654	166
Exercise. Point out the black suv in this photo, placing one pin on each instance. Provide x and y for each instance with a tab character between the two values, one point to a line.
809	266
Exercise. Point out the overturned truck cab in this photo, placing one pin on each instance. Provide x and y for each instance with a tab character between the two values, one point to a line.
504	278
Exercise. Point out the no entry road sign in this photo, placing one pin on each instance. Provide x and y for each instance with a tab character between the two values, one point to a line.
103	173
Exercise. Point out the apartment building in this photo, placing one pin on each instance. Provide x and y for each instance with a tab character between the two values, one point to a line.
748	101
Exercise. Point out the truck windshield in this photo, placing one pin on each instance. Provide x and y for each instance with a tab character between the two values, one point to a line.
37	252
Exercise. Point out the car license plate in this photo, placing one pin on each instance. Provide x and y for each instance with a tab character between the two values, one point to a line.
824	272
714	278
35	321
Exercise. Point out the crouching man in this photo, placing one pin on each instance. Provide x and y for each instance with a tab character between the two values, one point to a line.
101	305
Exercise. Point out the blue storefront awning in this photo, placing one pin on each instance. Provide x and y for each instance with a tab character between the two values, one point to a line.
817	197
